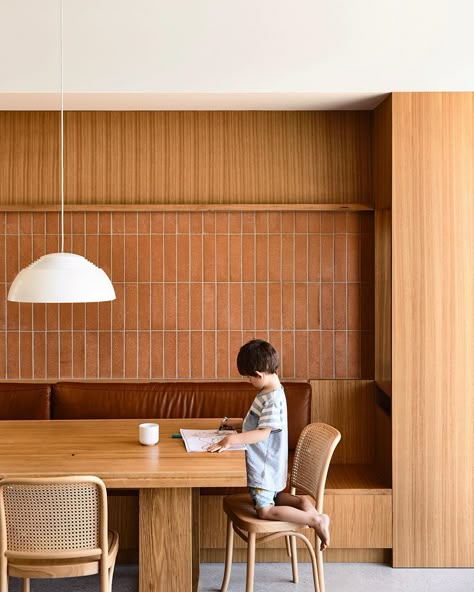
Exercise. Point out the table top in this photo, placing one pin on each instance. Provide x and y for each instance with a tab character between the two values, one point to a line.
110	449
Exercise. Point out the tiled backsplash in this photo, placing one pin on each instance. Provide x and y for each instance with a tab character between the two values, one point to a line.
191	288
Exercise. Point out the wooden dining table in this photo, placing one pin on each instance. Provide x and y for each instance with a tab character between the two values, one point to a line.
167	476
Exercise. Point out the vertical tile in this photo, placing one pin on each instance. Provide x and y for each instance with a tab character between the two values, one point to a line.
12	264
117	256
117	354
340	306
12	220
156	258
327	257
26	354
170	222
92	248
209	298
196	264
274	307
169	257
353	258
65	354
92	354
222	223
248	258
301	222
314	222
157	307
196	306
144	258
235	223
340	259
79	354
196	354
52	317
288	222
156	223
235	343
261	222
340	346
274	248
157	354
275	338
235	307
131	354
367	308
301	306
169	307
131	258
47	222
288	306
261	258
78	223
248	307
52	354
261	306
301	355
287	257
131	223
327	354
25	223
314	321
92	316
223	306
353	222
131	307
248	223
143	306
353	306
222	354
327	222
222	258
65	317
183	349
209	258
26	316
274	222
314	354
79	317
144	345
196	222
209	354
340	222
327	306
91	223
301	257
105	354
13	316
112	314
169	348
105	255
353	354
183	306
117	222
183	263
235	258
287	354
209	222
314	257
143	224
39	353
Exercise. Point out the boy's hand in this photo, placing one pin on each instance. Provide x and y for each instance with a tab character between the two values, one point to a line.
221	445
231	423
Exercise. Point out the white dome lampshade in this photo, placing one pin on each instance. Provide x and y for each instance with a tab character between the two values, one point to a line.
61	277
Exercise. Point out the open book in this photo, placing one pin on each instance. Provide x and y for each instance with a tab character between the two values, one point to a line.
200	440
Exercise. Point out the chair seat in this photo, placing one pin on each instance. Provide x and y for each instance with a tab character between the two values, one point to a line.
240	510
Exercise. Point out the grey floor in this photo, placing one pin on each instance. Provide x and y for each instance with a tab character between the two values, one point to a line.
340	577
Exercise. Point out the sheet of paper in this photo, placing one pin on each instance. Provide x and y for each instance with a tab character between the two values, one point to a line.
200	440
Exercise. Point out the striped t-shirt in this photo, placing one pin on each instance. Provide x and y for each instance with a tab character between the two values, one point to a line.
267	461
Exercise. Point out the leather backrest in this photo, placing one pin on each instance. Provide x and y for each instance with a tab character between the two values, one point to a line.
75	400
24	400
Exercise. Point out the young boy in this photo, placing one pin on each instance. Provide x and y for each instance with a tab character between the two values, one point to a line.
265	432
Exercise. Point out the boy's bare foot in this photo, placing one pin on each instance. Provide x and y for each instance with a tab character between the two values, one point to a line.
322	530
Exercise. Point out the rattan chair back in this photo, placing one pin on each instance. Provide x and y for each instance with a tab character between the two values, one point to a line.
313	454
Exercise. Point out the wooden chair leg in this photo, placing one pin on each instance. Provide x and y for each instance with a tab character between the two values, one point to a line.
319	562
251	561
25	585
111	575
288	548
3	575
294	559
228	555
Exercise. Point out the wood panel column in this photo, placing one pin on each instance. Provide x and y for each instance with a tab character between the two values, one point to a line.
433	329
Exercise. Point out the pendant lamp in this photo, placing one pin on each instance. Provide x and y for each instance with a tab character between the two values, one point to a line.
61	277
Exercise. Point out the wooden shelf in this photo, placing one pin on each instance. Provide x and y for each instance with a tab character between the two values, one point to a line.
355	479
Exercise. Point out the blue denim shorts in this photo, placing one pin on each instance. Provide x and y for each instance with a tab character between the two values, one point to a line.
262	497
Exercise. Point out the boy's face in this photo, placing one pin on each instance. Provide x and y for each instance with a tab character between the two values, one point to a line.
257	381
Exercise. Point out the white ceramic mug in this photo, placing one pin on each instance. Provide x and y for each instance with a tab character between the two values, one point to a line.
148	433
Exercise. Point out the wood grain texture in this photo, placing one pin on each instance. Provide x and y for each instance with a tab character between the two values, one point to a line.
187	157
383	295
433	337
165	545
383	445
349	406
382	155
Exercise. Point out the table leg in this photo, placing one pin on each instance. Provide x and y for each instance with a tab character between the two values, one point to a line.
196	518
166	528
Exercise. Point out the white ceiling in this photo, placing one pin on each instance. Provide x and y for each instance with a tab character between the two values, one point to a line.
232	54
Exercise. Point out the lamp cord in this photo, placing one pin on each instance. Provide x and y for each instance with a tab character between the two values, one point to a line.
62	131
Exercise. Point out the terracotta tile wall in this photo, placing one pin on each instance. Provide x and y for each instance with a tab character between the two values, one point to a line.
191	288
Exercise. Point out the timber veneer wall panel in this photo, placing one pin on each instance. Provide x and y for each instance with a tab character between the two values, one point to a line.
433	329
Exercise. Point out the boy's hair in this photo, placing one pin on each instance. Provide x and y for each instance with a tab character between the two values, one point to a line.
257	356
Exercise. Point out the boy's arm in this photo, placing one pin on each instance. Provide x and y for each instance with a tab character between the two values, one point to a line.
251	437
